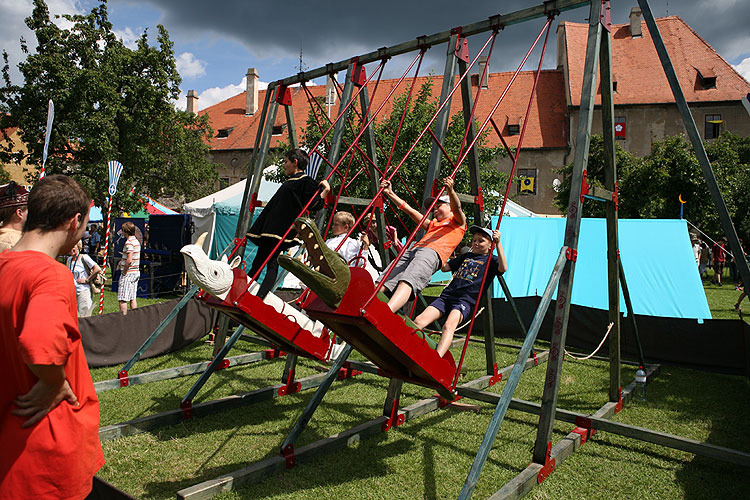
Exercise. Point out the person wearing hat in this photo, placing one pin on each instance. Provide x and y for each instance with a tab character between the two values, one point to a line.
49	411
458	299
13	199
444	232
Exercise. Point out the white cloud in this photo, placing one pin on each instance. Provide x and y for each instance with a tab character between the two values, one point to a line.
743	68
214	95
128	37
190	67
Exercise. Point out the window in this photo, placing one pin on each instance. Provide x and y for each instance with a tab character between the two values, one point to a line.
223	182
278	129
514	129
620	130
713	126
614	85
706	78
527	180
224	132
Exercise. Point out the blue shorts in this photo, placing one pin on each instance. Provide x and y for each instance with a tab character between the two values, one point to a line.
445	306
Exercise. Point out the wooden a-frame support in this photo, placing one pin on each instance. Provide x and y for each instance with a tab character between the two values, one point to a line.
544	454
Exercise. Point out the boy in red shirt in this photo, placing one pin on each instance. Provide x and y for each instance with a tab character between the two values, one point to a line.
49	412
444	232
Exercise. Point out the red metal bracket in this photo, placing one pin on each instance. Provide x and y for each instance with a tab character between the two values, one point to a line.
273	353
618	254
571	254
616	196
479	198
395	418
462	49
536	360
123	376
358	73
584	186
254	202
619	404
442	402
291	386
347	371
377	203
284	96
548	467
584	429
605	16
288	453
187	409
496	375
224	364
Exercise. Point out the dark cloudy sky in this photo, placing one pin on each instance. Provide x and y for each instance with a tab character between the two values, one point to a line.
216	42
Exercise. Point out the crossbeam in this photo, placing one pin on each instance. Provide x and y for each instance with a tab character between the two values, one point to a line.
498	22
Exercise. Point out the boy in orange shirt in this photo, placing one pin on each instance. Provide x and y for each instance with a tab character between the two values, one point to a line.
49	412
444	232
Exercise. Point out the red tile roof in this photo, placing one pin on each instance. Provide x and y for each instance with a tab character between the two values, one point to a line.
637	69
544	130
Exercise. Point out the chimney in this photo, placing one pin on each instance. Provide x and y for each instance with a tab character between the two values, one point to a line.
192	101
486	78
635	22
251	96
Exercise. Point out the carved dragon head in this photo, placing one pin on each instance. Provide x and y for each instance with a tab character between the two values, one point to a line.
329	275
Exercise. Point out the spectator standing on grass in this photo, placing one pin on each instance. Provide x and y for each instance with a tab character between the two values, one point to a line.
718	255
49	412
130	269
84	271
13	211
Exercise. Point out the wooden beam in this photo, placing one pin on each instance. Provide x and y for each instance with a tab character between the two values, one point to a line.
170	373
498	21
524	482
256	472
572	228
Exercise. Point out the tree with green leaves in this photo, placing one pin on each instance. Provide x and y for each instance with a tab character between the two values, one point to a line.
651	187
111	103
412	175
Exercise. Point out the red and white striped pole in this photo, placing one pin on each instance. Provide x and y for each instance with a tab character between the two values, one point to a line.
115	169
106	253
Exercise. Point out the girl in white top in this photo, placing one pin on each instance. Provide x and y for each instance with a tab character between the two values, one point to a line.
84	271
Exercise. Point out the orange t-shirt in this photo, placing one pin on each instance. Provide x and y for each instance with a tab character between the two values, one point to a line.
58	457
443	236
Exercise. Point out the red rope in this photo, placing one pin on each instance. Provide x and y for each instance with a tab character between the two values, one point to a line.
507	191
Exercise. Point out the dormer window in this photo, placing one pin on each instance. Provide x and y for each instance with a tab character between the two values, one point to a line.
514	129
223	133
707	78
278	129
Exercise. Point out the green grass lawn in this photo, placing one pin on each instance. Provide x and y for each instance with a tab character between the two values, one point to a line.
430	456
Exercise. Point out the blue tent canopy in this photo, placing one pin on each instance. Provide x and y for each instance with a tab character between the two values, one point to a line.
657	257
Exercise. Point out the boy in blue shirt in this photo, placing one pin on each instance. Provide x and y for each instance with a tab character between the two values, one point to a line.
458	298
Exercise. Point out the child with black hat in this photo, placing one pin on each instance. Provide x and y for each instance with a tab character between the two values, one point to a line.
458	298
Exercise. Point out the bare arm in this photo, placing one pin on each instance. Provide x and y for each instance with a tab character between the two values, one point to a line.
415	215
458	214
51	389
502	262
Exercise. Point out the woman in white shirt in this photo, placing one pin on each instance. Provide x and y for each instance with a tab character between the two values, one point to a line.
84	271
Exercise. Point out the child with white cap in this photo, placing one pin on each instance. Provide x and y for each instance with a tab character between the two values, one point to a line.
413	271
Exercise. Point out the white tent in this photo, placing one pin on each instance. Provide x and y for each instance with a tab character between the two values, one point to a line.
203	210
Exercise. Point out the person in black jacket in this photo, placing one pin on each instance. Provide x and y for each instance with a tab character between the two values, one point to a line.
279	213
